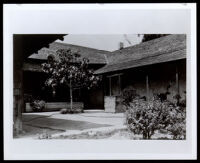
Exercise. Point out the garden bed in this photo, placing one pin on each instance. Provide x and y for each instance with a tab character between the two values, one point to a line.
56	106
115	134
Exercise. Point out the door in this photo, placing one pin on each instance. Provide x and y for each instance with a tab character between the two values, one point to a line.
94	98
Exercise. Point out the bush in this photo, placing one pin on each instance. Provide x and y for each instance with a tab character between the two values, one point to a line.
177	124
63	111
145	117
128	95
38	105
70	111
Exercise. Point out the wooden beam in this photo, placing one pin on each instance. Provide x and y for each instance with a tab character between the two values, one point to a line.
114	75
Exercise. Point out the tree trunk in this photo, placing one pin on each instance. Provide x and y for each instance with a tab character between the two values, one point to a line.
148	135
144	135
71	96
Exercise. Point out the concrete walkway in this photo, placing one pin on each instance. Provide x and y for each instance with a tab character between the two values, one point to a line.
57	124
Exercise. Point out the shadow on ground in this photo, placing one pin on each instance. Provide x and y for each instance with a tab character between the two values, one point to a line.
58	124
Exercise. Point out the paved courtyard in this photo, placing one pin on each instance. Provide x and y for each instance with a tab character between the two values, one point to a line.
58	124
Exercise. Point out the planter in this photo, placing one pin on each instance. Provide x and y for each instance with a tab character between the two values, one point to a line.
56	106
28	108
110	104
113	104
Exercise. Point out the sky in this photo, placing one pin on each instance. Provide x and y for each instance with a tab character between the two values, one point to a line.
102	42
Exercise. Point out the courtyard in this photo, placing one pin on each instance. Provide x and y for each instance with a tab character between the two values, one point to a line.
58	87
56	124
92	124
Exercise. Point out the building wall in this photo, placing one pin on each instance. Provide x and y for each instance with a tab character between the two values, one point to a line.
34	85
161	79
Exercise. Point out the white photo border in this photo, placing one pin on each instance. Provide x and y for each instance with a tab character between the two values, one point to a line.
99	19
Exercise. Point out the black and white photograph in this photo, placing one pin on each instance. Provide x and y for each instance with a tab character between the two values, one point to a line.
77	87
69	91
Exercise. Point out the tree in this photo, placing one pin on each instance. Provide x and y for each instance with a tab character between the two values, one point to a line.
148	37
67	68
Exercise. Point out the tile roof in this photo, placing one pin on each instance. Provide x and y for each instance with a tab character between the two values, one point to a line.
95	56
163	49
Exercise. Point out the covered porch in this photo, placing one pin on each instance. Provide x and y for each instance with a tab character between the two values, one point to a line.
24	46
166	79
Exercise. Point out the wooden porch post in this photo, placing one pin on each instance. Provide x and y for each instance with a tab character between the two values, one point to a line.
147	87
18	102
110	85
177	81
177	85
119	84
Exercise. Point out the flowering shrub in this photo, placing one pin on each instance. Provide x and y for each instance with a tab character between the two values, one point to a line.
38	105
145	117
177	123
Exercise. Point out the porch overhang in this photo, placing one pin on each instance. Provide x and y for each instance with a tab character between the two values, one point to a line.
24	46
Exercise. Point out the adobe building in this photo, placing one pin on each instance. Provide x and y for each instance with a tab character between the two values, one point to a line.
153	67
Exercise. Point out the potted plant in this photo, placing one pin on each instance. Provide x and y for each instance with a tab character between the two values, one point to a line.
37	105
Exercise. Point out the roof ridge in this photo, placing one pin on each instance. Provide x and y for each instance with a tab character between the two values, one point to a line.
146	42
158	54
102	70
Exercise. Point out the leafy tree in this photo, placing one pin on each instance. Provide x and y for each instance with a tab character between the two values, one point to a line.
148	37
68	68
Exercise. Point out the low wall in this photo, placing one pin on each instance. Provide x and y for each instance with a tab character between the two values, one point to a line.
56	106
113	104
110	104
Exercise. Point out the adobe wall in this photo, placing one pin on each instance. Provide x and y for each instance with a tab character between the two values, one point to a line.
162	79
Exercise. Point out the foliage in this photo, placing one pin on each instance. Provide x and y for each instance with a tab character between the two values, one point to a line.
148	37
44	135
177	98
37	105
177	123
70	111
161	96
145	117
69	69
128	95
